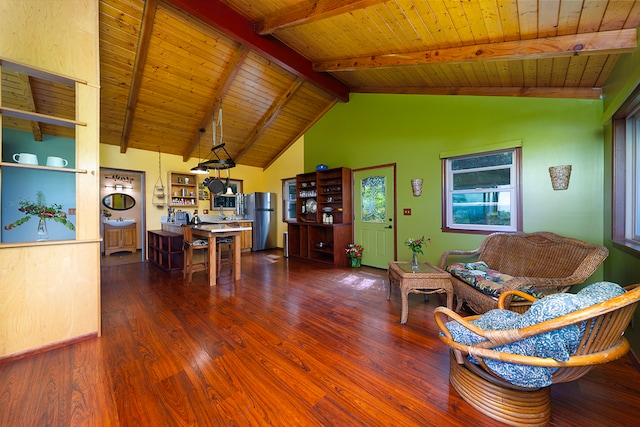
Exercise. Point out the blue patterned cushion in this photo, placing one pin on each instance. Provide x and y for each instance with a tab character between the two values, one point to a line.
600	291
483	278
493	320
559	344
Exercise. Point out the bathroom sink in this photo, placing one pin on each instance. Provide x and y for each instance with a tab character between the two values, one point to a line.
119	223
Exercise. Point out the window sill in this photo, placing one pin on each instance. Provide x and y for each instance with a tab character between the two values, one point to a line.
627	246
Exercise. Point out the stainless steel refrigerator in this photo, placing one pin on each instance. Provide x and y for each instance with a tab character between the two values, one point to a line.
261	209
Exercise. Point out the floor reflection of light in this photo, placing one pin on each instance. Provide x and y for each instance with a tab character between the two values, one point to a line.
360	281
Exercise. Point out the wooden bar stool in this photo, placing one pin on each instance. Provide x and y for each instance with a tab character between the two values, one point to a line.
224	244
188	248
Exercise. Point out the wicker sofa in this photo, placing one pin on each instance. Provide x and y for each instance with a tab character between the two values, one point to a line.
538	263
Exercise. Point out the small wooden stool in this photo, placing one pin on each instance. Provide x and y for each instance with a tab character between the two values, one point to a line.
188	248
224	244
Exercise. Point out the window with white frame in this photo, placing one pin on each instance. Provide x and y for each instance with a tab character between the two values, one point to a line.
626	174
481	192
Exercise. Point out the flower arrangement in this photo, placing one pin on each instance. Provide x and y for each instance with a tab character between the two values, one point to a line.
42	211
416	244
354	251
106	213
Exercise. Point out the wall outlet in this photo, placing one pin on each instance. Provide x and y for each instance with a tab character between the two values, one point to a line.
407	211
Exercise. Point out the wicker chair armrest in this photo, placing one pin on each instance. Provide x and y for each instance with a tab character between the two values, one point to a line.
443	258
511	293
443	315
619	349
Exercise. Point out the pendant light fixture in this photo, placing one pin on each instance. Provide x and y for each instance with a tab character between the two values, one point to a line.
200	169
215	161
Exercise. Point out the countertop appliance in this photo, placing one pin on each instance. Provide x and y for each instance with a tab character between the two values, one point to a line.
261	209
181	217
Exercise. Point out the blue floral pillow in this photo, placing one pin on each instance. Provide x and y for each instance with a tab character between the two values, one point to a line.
493	320
600	292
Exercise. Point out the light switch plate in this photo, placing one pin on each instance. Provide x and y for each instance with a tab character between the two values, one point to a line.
407	211
72	211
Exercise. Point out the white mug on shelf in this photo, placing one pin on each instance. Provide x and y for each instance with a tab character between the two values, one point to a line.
57	162
25	158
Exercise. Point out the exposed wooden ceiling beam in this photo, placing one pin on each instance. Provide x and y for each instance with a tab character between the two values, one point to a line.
606	42
226	78
30	105
235	26
533	92
300	134
311	12
269	117
148	17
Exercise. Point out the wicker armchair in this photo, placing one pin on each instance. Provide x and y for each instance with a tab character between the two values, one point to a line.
601	341
543	262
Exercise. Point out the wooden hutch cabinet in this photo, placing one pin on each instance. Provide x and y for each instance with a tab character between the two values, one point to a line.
324	216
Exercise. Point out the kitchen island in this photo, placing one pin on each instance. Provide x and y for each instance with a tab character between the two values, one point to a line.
246	238
213	231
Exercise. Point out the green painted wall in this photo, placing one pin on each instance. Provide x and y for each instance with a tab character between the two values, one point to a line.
412	130
620	267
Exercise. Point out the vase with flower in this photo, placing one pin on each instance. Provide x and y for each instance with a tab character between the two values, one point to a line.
416	247
354	252
43	212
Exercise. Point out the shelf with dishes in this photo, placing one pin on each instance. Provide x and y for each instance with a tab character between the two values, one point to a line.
44	168
324	196
183	189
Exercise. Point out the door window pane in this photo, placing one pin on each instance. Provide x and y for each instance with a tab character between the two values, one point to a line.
374	193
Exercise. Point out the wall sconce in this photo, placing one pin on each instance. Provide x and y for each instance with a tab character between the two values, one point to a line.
560	176
119	187
416	185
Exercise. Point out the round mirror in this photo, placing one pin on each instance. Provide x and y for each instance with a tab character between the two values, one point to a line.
119	201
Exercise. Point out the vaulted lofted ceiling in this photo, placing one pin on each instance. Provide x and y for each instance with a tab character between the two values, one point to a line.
277	66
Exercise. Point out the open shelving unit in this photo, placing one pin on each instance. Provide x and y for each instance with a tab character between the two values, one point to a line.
320	194
183	190
165	249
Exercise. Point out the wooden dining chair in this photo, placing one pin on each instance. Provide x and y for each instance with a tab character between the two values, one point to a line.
188	248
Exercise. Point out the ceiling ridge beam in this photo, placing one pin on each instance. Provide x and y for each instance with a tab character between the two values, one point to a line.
533	92
604	42
226	78
238	28
269	117
311	12
142	51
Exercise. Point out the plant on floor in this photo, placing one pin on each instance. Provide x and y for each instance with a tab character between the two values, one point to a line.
354	252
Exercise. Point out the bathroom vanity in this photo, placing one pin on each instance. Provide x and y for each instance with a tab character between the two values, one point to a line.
119	237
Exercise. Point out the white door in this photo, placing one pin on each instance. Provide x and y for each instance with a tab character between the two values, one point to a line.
374	214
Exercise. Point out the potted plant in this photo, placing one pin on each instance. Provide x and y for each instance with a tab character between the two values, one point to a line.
354	252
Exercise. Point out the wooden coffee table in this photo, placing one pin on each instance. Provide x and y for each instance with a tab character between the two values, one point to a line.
427	280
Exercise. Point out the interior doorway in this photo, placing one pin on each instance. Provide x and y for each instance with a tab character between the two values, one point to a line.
374	208
122	200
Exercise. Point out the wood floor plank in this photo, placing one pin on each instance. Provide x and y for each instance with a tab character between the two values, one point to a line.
290	344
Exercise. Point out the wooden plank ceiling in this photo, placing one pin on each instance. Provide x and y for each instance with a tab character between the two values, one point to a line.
276	66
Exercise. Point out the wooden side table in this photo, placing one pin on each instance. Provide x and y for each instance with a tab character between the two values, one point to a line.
427	280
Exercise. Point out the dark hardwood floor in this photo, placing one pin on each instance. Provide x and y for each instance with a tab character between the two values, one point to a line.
291	344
